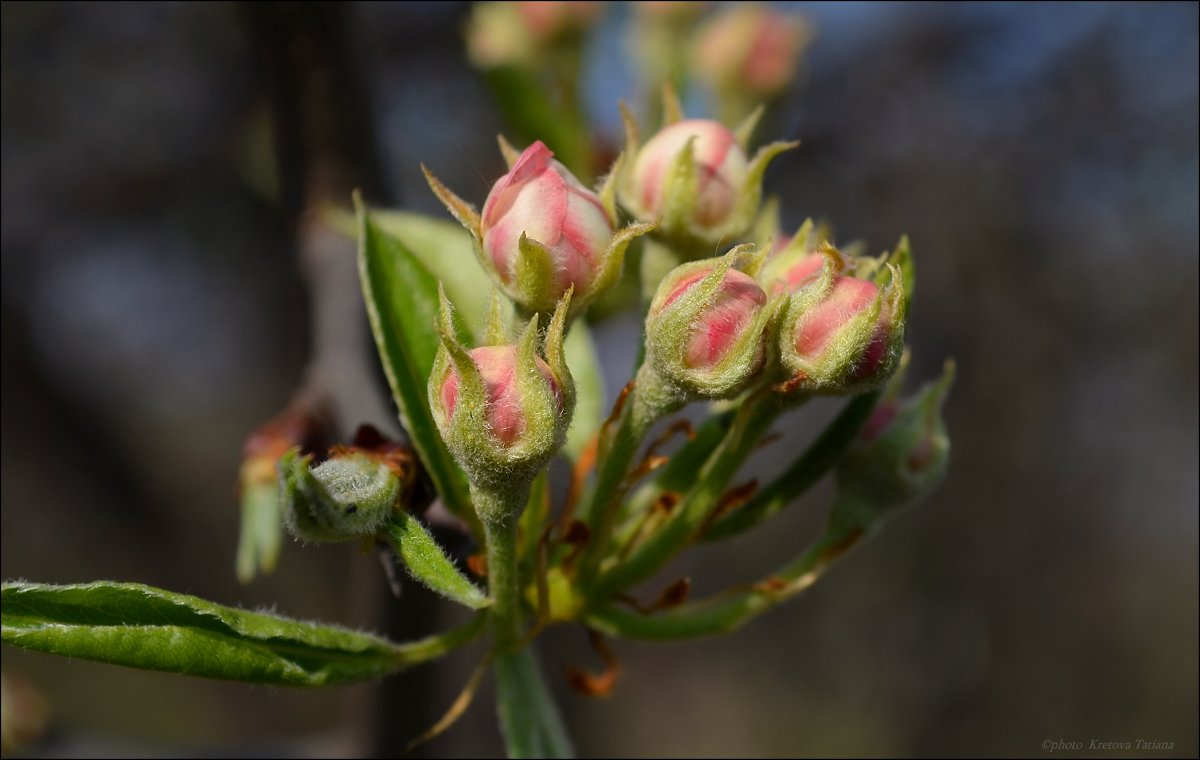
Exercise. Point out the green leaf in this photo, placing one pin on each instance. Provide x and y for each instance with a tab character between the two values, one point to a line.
427	562
447	252
580	349
144	627
402	303
529	717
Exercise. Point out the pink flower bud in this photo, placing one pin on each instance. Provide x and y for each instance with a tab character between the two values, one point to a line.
798	274
751	48
720	161
542	199
822	323
550	18
498	366
715	329
841	334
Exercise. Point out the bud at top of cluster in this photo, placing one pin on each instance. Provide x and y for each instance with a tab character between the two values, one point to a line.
543	233
517	33
902	451
548	20
707	325
750	48
840	333
502	410
695	176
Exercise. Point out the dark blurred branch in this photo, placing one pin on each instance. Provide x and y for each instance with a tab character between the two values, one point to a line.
326	147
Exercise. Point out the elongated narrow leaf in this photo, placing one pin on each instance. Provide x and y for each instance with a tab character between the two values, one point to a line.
447	251
529	717
144	627
402	304
427	562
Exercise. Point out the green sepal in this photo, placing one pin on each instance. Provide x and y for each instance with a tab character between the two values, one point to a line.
681	190
427	562
750	198
744	132
498	324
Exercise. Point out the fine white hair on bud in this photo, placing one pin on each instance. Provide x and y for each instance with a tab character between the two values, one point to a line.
542	233
706	328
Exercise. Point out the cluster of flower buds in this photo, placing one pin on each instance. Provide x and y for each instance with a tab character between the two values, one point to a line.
694	176
842	331
502	410
515	33
542	233
751	50
902	452
707	325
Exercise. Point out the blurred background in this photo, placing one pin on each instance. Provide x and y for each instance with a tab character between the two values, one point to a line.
157	307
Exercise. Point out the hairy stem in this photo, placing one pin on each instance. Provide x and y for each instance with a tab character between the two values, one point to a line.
816	460
753	419
648	401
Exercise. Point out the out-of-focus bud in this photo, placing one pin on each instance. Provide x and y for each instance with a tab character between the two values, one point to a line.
502	410
543	233
750	49
693	175
24	713
518	34
548	21
720	163
839	334
706	327
901	453
351	494
304	424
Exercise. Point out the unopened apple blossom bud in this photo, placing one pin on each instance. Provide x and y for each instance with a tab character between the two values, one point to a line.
543	233
706	328
751	49
903	450
839	334
720	163
693	175
502	410
554	19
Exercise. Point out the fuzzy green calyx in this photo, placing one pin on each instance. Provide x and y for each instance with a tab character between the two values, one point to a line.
345	497
502	409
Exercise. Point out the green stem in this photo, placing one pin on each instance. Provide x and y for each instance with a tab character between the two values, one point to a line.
726	613
529	717
415	652
648	401
753	419
817	460
499	512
